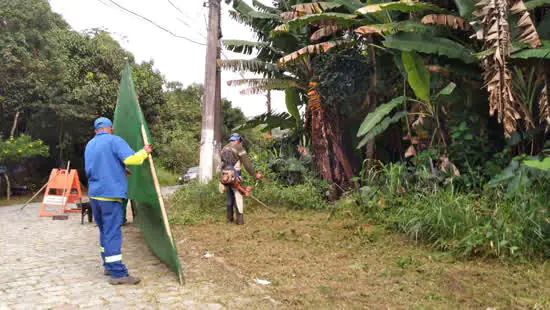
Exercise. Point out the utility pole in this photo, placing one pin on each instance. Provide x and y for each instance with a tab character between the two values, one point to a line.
208	135
269	107
219	118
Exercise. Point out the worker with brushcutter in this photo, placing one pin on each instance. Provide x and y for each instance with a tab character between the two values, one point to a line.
105	158
234	155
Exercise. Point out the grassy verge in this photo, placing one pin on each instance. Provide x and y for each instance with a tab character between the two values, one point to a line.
462	223
317	260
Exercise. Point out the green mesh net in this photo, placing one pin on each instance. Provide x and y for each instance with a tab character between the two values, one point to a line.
128	120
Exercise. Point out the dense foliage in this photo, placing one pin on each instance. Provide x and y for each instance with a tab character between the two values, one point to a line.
55	81
177	126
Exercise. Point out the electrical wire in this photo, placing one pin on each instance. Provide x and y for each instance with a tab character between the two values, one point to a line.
155	24
186	16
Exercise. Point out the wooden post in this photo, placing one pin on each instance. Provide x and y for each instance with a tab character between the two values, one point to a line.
159	194
66	182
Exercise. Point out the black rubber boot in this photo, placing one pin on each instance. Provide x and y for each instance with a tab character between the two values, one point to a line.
240	218
230	214
230	203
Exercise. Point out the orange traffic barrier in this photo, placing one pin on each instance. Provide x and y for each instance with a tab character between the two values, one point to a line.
62	189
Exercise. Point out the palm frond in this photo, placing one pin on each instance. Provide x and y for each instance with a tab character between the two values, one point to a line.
429	44
323	32
269	121
533	4
279	84
250	65
527	32
400	6
246	11
281	29
324	19
315	7
390	28
497	76
291	15
265	8
260	22
451	21
247	47
309	50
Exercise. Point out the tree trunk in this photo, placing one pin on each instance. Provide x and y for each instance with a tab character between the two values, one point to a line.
335	135
371	103
319	145
326	135
15	120
8	186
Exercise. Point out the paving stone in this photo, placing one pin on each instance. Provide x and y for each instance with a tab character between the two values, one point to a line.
57	265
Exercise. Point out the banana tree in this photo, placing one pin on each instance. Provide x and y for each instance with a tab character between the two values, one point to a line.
436	34
419	80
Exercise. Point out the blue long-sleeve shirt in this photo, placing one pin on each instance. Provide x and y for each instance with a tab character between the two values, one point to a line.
104	160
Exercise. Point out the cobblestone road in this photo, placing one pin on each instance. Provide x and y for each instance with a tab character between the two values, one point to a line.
47	264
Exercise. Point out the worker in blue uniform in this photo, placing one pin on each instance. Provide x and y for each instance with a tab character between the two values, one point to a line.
106	157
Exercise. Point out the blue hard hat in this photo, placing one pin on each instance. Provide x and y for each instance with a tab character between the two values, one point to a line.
102	122
235	137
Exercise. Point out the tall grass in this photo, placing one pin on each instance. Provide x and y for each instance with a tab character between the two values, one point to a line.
492	224
194	203
310	194
166	177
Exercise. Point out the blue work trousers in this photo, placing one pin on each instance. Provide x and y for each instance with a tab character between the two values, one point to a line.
108	216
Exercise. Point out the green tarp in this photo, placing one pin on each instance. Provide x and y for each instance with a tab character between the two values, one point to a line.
141	187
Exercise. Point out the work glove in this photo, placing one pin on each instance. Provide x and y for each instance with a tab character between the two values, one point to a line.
148	148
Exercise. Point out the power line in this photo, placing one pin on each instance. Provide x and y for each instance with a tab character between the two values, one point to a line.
198	32
185	16
155	24
179	10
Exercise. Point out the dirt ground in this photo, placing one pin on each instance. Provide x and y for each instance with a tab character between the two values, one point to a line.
316	263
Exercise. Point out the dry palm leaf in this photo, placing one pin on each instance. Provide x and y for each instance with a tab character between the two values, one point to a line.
266	83
497	76
310	49
324	31
370	29
450	21
252	91
282	28
527	32
447	166
411	151
311	8
291	15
